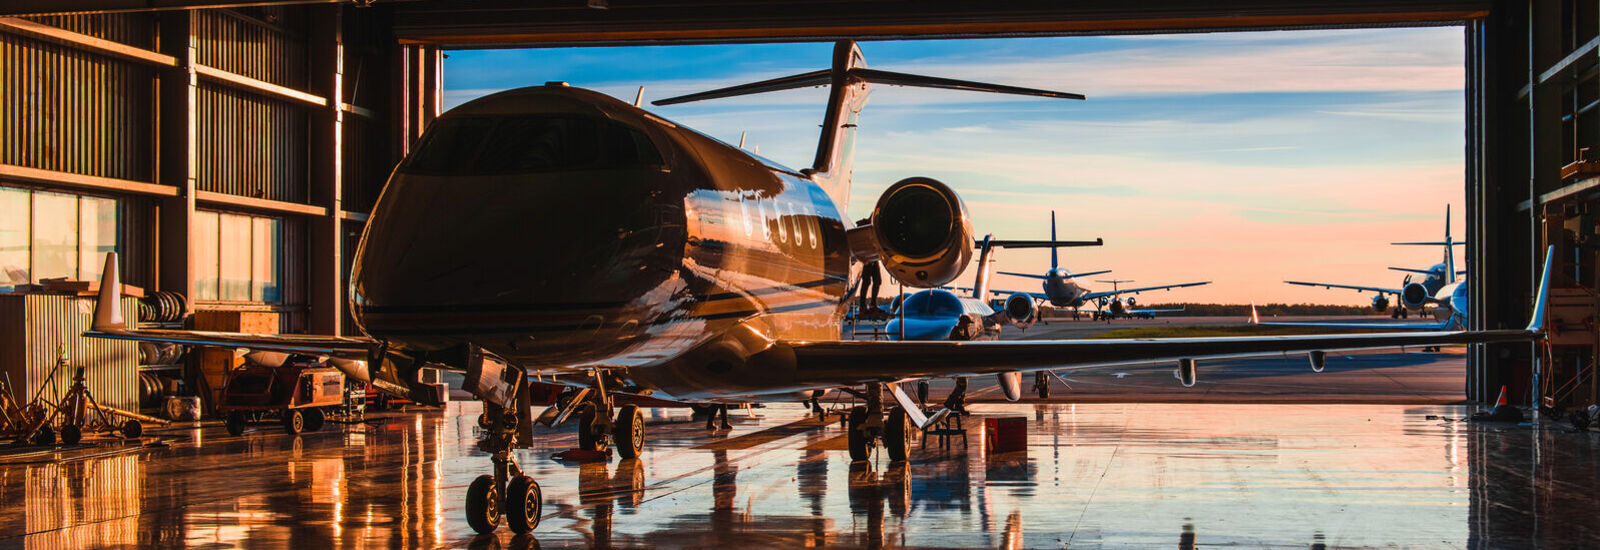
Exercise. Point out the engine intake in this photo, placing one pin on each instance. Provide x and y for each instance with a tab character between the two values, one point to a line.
919	230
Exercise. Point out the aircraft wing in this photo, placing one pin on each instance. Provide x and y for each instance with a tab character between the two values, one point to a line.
851	362
1351	287
1108	293
842	363
1151	310
334	346
1034	295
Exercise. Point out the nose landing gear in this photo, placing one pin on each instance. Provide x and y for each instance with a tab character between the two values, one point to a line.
508	491
509	494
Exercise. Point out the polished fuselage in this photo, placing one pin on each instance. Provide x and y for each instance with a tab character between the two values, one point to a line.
654	263
1063	290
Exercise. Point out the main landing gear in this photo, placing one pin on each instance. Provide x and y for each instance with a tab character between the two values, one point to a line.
867	425
515	496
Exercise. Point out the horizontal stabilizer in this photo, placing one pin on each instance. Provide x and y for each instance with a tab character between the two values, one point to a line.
1041	244
1028	275
1417	271
920	81
803	80
861	74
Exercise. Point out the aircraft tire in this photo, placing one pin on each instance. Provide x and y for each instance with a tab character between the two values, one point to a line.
45	436
132	429
294	421
628	432
315	418
71	435
483	505
897	435
524	504
860	446
235	423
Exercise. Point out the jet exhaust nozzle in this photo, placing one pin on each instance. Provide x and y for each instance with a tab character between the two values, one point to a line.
1380	303
1020	309
1414	295
920	231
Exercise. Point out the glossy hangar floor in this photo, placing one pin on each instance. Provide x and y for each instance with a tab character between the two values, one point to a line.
1093	476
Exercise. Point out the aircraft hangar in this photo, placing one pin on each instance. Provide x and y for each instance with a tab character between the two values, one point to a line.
231	152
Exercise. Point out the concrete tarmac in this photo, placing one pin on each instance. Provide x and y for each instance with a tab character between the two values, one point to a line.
1107	475
1261	453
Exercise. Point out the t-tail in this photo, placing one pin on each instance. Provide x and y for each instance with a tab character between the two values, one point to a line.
1449	244
1054	262
849	80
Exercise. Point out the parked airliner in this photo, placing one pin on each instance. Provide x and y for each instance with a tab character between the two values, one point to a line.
1062	289
1412	295
559	232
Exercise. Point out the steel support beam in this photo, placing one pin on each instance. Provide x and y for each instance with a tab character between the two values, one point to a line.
327	294
175	104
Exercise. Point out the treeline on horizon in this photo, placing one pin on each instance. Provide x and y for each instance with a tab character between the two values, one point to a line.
1243	310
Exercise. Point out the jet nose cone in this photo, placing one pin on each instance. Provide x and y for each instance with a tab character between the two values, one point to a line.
530	246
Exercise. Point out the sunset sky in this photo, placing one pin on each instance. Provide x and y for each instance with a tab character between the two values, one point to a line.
1240	158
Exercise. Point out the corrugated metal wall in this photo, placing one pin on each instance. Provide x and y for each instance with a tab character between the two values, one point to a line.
36	326
265	43
68	110
250	146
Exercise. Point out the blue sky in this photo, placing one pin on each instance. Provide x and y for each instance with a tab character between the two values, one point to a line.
1242	158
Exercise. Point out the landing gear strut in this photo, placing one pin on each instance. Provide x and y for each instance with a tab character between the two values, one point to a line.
507	492
867	425
1041	384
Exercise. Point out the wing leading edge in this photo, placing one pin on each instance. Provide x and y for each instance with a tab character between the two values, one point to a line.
852	362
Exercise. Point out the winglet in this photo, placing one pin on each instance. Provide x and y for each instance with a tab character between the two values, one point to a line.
1255	318
1536	324
108	305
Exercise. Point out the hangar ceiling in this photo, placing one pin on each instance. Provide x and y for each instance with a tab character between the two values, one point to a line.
501	23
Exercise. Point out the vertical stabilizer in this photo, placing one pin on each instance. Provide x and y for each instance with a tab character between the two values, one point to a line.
1449	249
1053	263
980	283
836	147
108	305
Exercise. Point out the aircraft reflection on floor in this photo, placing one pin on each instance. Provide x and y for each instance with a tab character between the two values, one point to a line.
1108	475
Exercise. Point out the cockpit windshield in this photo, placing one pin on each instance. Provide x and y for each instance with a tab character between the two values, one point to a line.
516	144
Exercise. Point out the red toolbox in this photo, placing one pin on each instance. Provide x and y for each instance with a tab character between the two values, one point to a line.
1005	434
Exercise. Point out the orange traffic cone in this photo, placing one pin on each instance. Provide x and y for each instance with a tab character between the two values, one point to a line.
1503	411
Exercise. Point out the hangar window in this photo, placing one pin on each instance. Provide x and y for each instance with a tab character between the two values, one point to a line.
238	258
45	235
475	146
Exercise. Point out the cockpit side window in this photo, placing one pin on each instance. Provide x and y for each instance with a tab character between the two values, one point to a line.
516	144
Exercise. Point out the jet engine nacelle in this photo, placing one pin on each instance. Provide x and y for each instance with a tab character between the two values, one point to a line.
919	231
1414	295
1380	303
1020	309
